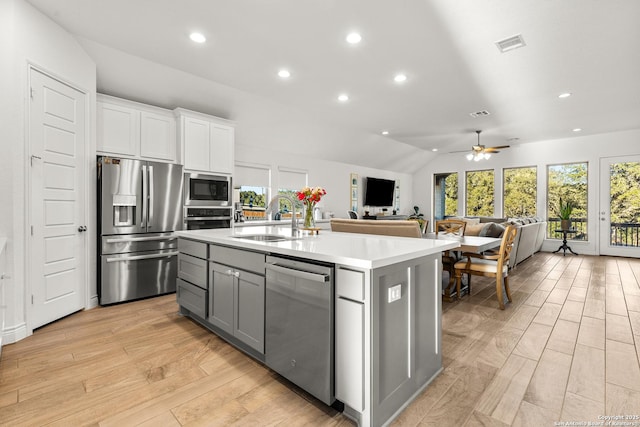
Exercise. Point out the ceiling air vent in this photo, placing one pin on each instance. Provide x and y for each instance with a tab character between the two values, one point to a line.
480	113
510	43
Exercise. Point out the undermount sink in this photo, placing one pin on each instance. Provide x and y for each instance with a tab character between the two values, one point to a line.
264	237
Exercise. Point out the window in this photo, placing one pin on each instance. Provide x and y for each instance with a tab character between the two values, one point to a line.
480	186
569	182
445	195
252	183
519	188
290	182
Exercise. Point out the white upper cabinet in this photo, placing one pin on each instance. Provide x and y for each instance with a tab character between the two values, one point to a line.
127	128
207	142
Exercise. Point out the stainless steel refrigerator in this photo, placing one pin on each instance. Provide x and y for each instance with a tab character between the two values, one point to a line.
139	208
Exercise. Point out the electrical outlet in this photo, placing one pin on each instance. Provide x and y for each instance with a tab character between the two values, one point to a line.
395	293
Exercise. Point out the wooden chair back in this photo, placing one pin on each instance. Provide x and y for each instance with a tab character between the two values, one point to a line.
453	227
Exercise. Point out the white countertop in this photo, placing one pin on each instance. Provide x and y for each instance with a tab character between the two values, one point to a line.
356	250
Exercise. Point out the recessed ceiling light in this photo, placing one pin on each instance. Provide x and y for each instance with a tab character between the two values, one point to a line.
576	129
197	37
564	95
343	98
284	74
354	38
399	78
434	149
385	132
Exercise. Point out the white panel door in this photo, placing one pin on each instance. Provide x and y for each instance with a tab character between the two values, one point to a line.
619	214
57	211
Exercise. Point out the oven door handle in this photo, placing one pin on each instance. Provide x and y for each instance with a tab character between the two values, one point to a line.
299	273
140	257
207	218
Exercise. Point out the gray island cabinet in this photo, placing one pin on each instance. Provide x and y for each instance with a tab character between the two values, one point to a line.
386	307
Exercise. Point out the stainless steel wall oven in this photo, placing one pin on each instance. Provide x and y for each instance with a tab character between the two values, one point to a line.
201	218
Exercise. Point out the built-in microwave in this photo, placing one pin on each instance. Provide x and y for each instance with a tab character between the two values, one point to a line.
207	190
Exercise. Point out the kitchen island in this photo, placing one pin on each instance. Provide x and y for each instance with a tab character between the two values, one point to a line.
384	309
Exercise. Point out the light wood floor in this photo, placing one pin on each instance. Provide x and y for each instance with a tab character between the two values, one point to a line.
565	350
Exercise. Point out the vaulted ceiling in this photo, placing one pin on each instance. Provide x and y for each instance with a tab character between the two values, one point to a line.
446	49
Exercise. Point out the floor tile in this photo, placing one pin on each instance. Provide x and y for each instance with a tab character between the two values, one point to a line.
533	341
563	337
587	375
592	332
549	381
618	328
502	397
622	365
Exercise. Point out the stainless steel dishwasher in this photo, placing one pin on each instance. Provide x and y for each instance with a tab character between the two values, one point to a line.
299	324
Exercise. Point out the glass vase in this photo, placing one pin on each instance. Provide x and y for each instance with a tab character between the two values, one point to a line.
309	221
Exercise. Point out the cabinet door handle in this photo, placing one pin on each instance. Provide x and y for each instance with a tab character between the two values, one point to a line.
316	277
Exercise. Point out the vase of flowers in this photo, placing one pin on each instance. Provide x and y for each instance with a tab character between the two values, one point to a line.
310	196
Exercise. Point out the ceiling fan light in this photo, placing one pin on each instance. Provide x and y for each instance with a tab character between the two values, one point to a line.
470	156
478	157
487	156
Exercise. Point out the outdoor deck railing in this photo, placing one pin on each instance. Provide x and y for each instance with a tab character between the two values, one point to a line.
621	233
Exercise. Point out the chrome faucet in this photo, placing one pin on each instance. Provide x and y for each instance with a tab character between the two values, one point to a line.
274	202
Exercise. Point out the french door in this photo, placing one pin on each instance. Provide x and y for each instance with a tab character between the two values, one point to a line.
619	213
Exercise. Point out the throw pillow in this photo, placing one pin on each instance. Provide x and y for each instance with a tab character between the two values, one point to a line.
495	230
474	229
471	221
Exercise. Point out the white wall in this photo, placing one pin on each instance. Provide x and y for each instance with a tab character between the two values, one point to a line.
540	154
332	176
30	38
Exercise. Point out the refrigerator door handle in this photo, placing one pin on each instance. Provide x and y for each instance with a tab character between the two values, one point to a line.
145	189
150	186
139	257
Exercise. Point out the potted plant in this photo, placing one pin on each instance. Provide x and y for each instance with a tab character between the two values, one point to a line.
566	209
416	215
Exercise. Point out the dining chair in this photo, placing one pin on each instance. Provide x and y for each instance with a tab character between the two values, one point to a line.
353	214
450	227
489	265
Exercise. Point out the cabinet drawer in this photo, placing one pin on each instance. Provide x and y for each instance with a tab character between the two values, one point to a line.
192	270
245	260
192	298
350	284
193	248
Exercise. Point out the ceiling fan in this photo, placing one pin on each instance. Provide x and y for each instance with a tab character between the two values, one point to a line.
480	152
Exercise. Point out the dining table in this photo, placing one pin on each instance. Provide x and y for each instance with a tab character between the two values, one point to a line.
475	244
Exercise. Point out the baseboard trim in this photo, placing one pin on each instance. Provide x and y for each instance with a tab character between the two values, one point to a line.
14	333
93	302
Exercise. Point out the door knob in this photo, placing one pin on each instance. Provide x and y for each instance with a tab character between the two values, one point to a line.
82	228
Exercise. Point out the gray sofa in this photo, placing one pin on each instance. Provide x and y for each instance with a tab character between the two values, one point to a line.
529	238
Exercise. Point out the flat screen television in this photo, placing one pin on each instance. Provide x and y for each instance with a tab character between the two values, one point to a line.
379	192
